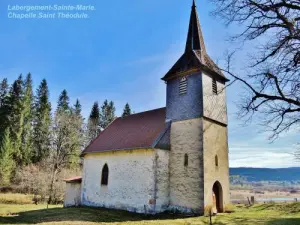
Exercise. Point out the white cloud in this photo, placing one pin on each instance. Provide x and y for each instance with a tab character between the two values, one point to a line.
253	156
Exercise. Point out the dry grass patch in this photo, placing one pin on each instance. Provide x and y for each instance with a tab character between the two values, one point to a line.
11	198
229	208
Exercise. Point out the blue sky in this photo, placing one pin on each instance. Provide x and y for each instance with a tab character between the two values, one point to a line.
120	53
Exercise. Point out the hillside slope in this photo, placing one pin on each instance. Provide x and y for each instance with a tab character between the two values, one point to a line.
266	174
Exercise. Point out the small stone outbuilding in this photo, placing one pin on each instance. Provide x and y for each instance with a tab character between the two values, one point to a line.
73	192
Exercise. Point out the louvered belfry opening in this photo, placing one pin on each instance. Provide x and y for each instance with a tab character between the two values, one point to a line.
183	86
214	86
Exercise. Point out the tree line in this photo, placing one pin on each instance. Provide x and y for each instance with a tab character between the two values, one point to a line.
32	133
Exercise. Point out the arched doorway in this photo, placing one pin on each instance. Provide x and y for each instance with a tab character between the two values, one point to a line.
217	197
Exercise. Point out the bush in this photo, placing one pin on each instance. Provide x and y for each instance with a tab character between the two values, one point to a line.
228	208
32	179
35	180
6	189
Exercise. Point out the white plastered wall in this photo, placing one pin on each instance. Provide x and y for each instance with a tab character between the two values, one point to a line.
215	144
72	195
215	139
131	179
186	182
162	180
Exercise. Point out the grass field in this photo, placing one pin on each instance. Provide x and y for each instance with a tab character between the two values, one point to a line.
270	214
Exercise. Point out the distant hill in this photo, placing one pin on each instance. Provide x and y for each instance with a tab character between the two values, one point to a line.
265	174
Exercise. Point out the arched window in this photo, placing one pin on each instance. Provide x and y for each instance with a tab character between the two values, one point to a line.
186	160
216	161
104	177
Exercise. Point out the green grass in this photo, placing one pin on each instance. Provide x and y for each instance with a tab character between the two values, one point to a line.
269	214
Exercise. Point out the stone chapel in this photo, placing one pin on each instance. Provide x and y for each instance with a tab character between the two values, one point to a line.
172	158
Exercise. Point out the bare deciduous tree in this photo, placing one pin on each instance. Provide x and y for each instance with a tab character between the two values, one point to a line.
66	144
34	179
272	76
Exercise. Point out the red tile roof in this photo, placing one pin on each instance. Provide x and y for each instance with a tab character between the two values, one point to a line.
139	130
77	179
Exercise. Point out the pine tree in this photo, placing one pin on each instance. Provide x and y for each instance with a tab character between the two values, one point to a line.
27	135
42	122
16	117
107	113
4	109
77	108
111	112
80	130
3	90
63	101
6	158
127	110
94	122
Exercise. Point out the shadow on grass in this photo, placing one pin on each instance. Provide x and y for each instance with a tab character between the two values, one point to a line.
81	214
284	221
86	214
257	221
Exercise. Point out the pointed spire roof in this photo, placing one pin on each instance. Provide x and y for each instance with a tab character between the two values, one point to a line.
195	38
195	56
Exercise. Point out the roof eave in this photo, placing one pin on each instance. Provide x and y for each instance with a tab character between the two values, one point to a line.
170	76
73	180
113	150
212	72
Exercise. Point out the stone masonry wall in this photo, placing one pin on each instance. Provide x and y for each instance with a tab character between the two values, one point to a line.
215	144
186	182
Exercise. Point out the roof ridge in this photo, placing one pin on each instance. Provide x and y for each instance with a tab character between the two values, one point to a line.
143	112
98	135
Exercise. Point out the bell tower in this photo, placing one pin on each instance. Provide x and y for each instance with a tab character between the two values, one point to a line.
196	107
